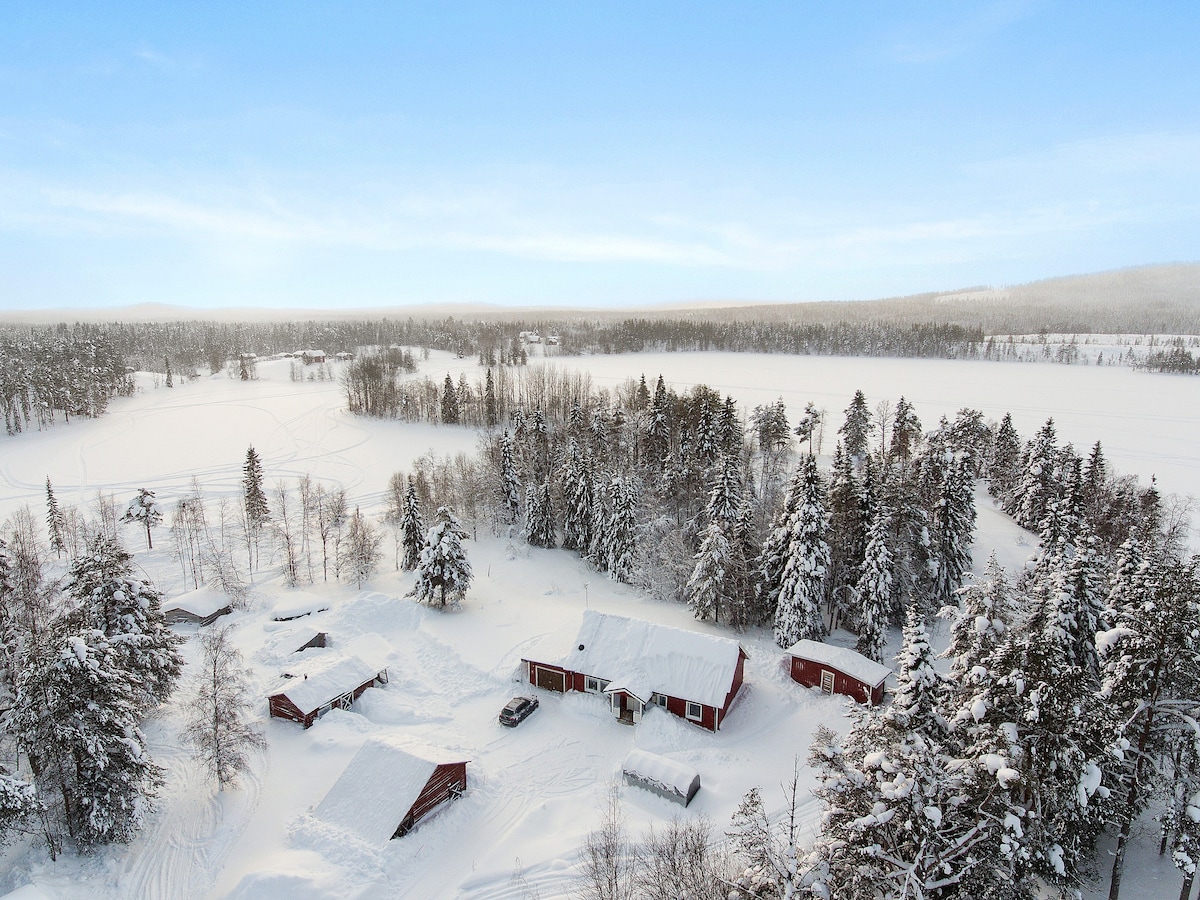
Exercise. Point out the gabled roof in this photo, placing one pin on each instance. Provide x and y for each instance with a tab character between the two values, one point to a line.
324	678
202	602
843	659
378	788
643	657
667	772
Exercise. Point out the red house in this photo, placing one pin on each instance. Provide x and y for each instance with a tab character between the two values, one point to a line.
838	670
636	664
388	787
330	681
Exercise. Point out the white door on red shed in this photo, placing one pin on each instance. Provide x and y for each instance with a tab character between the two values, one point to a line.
827	681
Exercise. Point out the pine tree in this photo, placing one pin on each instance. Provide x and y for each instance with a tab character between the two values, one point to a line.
360	554
542	530
856	431
725	498
450	412
802	583
1039	482
806	428
906	432
77	720
1152	682
144	510
219	724
773	556
170	380
254	501
510	486
55	526
953	532
876	587
848	531
413	529
1004	470
578	512
491	416
620	530
713	582
443	573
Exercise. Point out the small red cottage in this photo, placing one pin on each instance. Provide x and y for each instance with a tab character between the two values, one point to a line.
838	670
638	664
328	682
388	787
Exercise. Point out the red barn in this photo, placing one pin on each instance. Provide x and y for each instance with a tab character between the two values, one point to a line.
388	787
838	670
330	681
636	664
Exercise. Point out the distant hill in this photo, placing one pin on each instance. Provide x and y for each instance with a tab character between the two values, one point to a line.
1159	299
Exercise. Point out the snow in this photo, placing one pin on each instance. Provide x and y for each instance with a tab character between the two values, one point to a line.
843	659
324	677
643	657
202	602
297	604
668	773
379	787
535	791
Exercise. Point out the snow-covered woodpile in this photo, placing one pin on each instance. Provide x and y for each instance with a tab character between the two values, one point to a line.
327	682
638	664
838	670
388	787
660	775
199	607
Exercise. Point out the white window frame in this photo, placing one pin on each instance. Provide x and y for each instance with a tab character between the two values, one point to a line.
698	714
659	700
593	685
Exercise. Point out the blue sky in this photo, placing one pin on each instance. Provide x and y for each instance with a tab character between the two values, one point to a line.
601	154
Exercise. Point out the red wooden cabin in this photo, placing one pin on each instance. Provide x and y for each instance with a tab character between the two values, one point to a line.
838	670
328	682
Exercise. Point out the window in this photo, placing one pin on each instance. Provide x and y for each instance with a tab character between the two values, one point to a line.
695	710
592	684
659	700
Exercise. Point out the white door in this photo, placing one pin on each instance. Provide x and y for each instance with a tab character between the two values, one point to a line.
827	681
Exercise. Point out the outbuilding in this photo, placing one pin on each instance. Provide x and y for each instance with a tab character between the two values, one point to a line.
637	664
838	670
389	786
199	607
321	685
659	775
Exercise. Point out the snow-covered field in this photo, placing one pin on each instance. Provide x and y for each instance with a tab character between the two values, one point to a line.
534	791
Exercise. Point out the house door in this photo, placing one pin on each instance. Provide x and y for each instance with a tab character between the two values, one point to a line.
827	681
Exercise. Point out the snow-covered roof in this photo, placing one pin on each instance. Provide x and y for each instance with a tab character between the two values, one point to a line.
666	772
296	605
203	602
379	786
643	657
843	659
323	678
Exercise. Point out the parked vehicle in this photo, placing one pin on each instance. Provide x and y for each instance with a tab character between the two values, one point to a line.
517	709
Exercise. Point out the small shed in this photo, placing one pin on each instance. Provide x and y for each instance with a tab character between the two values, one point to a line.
199	607
308	638
296	606
662	776
330	681
838	670
312	356
389	786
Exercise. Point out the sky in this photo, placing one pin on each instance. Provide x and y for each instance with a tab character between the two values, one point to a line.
337	155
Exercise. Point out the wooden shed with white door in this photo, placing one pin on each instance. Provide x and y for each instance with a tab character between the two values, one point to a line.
838	670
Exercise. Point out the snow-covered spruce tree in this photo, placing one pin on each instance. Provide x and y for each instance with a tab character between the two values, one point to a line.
660	427
491	416
953	532
144	510
744	609
847	530
711	588
1005	468
919	686
856	430
906	434
414	529
443	572
510	485
1036	715
798	613
360	553
128	612
806	428
1039	482
769	849
76	719
578	512
254	503
773	555
620	529
450	412
1152	682
725	497
876	587
542	529
55	525
980	621
219	714
20	808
